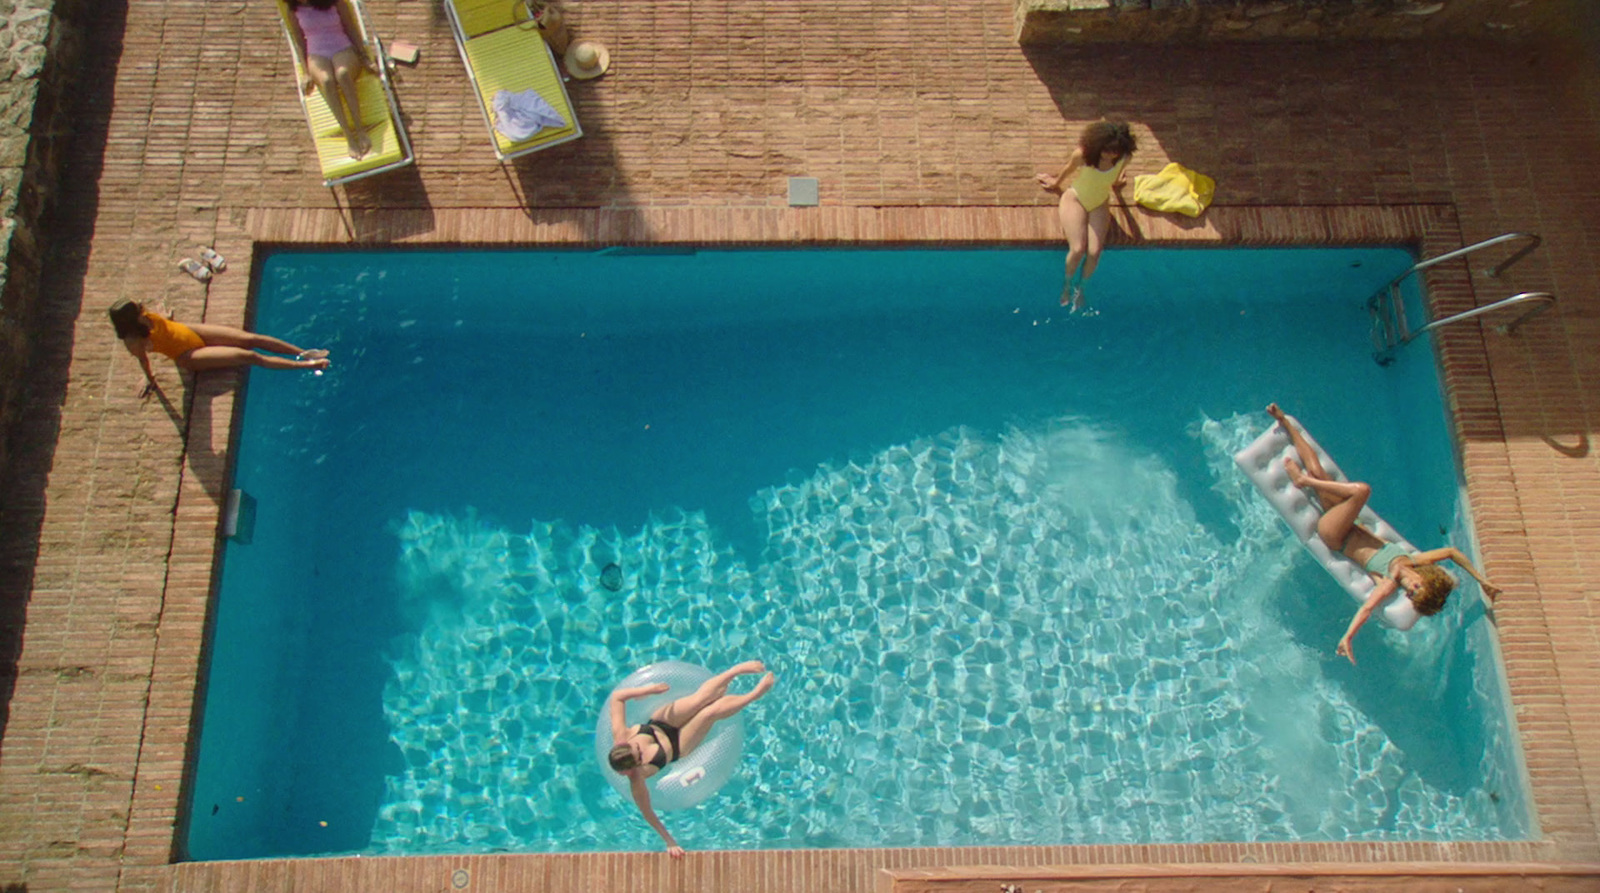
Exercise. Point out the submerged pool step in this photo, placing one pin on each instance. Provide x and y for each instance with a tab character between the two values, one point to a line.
646	250
239	517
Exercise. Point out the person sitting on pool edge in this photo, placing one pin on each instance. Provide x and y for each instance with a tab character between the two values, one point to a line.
673	732
200	346
1096	168
1389	564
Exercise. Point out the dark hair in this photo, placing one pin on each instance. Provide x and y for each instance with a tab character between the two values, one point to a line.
314	4
127	317
1436	587
622	758
1101	136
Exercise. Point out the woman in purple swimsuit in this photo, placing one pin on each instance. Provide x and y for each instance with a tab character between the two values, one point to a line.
673	732
1389	564
330	46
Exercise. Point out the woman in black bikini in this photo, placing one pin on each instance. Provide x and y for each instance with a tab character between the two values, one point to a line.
673	732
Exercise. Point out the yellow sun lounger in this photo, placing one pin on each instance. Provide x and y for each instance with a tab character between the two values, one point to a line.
380	116
503	50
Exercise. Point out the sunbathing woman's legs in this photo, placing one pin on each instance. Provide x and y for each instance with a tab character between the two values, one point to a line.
202	358
335	79
228	336
346	66
697	728
1099	223
1342	501
227	347
682	710
1075	223
1308	456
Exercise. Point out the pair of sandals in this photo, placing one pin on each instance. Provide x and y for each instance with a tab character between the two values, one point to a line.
210	263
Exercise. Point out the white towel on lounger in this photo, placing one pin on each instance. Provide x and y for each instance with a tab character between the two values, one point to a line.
520	115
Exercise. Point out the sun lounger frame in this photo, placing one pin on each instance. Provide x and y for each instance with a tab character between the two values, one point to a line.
375	48
460	35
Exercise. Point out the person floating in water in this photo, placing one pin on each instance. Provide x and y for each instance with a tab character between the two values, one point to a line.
201	346
673	732
1103	151
1389	564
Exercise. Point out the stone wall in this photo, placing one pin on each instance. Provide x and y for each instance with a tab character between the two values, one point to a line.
1052	22
38	45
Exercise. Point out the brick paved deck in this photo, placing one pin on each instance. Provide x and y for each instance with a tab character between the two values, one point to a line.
924	123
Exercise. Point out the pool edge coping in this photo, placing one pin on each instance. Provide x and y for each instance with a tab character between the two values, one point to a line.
1544	735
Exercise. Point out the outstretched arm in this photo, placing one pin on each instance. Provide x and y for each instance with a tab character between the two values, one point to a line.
1054	183
1434	556
136	346
619	722
299	47
1383	590
641	799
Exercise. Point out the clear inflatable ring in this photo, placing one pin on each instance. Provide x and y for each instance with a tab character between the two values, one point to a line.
688	781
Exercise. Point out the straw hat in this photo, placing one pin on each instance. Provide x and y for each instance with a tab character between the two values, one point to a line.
587	59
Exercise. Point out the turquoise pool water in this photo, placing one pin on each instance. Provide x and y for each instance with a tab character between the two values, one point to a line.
1013	588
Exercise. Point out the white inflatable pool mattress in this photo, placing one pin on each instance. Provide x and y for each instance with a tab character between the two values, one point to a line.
1262	463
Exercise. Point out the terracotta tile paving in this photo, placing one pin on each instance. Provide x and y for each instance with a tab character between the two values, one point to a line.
924	123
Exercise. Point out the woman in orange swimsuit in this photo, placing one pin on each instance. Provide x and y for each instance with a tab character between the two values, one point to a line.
1103	151
200	346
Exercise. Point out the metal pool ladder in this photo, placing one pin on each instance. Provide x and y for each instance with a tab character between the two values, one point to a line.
1392	331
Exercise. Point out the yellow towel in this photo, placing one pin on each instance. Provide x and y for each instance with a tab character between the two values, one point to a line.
1176	189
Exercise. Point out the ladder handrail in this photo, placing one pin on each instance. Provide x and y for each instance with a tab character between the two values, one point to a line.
1545	300
1391	330
1534	242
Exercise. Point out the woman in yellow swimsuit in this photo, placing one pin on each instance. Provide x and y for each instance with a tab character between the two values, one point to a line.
1103	150
200	346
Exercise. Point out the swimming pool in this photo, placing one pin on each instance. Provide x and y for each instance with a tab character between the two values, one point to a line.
1012	586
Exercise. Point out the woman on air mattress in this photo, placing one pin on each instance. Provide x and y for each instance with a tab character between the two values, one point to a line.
1389	564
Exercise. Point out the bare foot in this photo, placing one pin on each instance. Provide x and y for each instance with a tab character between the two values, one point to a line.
1072	297
359	144
764	686
319	363
1296	473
